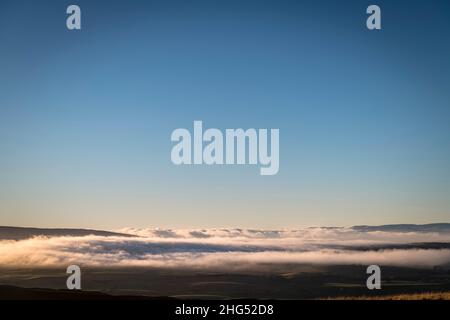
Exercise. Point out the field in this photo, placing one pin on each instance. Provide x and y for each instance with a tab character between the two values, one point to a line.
289	282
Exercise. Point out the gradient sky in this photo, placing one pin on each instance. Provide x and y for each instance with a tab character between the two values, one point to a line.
86	116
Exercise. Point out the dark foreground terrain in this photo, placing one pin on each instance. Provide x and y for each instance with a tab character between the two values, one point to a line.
301	282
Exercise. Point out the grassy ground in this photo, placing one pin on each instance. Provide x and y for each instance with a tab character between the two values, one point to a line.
415	296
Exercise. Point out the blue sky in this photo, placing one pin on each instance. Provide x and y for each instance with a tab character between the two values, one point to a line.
86	116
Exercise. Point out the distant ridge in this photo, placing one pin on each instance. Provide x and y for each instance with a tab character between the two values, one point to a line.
21	233
433	227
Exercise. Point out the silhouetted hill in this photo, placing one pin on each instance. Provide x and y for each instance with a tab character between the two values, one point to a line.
19	233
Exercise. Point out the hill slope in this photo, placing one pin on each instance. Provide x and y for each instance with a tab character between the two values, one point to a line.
19	233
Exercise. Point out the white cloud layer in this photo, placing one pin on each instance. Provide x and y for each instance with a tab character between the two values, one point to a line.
231	249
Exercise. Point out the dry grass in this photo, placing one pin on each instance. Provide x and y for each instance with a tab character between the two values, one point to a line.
414	296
